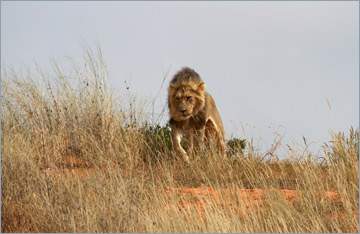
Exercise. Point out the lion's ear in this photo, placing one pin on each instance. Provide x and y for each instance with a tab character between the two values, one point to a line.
172	87
201	87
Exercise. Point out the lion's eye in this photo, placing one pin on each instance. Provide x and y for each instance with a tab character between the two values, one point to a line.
177	99
188	98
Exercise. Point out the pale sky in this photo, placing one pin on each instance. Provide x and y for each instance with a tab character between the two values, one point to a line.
267	64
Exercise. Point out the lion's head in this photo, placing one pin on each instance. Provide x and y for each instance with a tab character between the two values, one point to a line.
186	94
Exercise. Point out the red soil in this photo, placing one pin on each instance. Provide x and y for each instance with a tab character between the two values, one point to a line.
202	198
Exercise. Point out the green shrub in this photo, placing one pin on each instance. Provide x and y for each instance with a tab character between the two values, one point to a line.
235	147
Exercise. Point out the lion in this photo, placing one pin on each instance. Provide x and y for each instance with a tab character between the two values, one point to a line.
193	110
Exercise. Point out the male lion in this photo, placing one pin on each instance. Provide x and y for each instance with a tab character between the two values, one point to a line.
193	109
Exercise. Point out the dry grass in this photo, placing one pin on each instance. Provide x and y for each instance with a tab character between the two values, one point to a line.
46	118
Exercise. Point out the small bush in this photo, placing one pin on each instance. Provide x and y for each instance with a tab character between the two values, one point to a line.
157	142
235	147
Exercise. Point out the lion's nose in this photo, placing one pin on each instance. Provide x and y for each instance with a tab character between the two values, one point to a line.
182	110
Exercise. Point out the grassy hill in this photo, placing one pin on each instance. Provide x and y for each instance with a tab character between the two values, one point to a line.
78	157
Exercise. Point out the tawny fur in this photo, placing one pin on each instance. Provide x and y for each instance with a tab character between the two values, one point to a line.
193	110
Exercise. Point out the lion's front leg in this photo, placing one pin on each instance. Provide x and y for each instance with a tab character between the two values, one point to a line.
190	139
176	135
198	140
220	141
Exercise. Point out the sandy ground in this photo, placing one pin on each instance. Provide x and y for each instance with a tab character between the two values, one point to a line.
196	201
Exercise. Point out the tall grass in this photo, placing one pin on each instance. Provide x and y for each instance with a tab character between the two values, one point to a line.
47	117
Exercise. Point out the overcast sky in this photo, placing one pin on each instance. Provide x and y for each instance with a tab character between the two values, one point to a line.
267	64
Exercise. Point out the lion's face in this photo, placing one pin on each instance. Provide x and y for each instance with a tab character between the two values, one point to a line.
186	99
